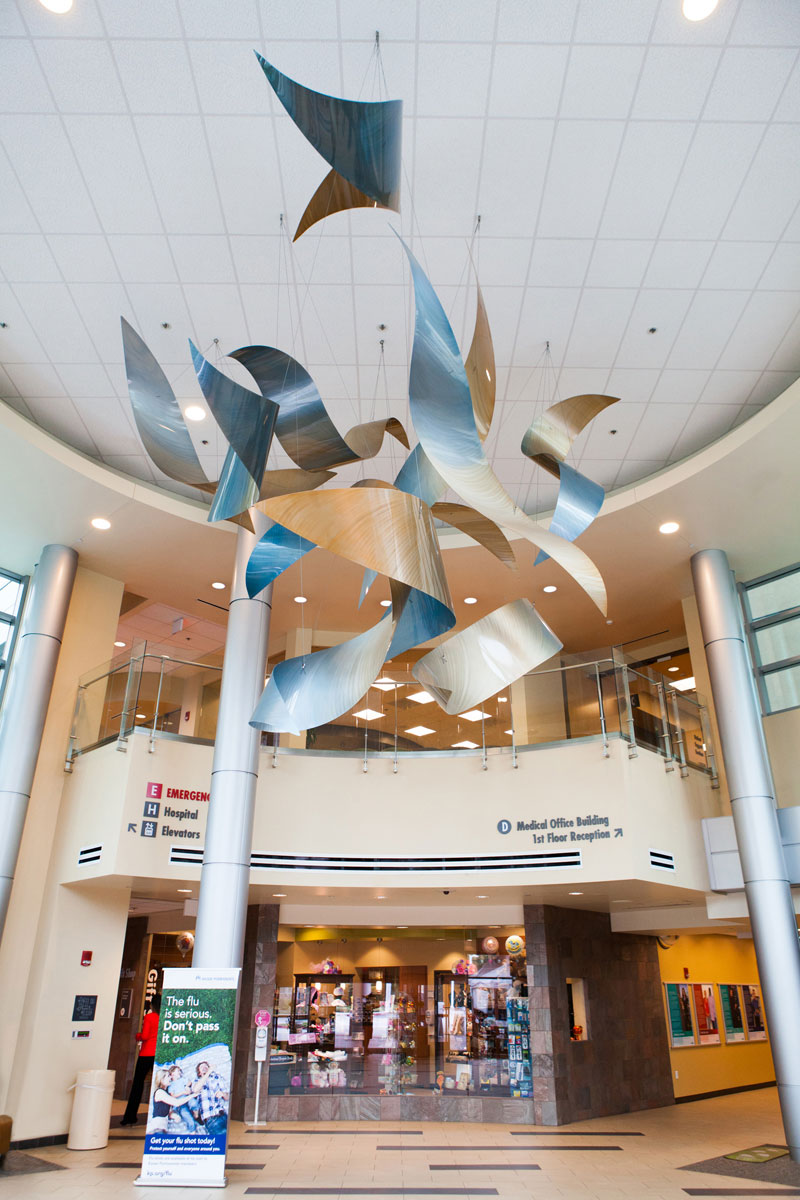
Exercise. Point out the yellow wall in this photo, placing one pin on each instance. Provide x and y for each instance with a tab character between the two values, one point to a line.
715	959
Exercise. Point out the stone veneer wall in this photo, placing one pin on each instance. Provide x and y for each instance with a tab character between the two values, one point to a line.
257	991
624	1066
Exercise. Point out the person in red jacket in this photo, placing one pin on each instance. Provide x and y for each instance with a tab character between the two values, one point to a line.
146	1037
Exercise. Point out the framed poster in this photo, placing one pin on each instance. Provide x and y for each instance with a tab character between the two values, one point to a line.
732	1018
679	1015
705	1011
753	1012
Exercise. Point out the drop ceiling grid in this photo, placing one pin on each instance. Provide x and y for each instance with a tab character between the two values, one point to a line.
201	272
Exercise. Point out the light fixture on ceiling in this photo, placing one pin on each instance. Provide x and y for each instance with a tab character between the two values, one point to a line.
510	732
120	645
669	527
301	599
470	599
385	685
184	891
698	10
684	685
481	897
673	668
420	730
421	697
475	714
279	895
551	587
575	893
380	897
57	6
465	745
141	716
217	585
386	604
194	412
368	714
100	523
502	699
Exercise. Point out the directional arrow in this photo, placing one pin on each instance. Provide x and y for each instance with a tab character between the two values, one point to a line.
131	827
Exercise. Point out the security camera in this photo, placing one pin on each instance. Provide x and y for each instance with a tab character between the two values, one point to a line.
446	892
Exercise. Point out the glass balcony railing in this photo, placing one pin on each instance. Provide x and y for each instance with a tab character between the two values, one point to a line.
572	698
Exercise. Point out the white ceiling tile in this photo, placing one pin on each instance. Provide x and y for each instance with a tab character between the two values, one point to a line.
7	388
707	423
142	258
511	180
559	262
634	384
24	85
379	259
615	21
451	211
547	315
82	75
314	19
584	153
156	76
789	104
310	63
618	263
209	19
672	27
769	196
576	381
729	387
18	404
361	80
783	269
737	265
11	23
766	23
536	20
34	379
500	261
759	332
442	69
54	315
748	84
100	305
709	323
600	322
158	17
675	82
82	22
16	215
660	310
84	258
602	471
634	469
772	384
112	164
601	81
203	259
59	417
394	19
679	387
181	173
40	155
110	427
228	77
256	258
717	164
136	465
746	412
216	312
678	264
474	21
27	257
792	230
649	164
250	186
85	380
526	80
18	340
660	426
598	442
153	304
324	257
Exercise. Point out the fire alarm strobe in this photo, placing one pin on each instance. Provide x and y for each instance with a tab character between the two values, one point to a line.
86	958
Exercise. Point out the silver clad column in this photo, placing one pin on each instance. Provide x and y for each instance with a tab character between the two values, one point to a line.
222	910
26	700
769	896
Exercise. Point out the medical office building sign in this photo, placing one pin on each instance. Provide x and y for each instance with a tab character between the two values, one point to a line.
187	1117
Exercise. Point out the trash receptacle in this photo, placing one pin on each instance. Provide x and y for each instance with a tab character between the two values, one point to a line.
91	1110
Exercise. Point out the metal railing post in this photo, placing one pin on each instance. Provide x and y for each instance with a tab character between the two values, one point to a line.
601	709
158	705
676	716
669	764
129	702
633	751
711	757
73	733
484	760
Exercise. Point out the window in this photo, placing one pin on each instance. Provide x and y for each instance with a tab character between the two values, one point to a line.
12	594
772	609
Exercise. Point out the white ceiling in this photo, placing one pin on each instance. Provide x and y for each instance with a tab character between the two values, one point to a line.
631	169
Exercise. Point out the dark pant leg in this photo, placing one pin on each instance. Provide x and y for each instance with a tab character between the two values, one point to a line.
143	1065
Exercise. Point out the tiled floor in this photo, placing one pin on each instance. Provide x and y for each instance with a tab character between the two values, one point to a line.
436	1159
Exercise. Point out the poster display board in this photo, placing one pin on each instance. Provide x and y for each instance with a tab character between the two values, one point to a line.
732	1012
705	1011
754	1012
679	1014
187	1117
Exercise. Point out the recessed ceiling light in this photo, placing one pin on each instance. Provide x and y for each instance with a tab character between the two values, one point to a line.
470	600
575	893
57	6
218	585
386	604
510	732
385	685
481	897
669	527
421	697
279	895
380	897
684	685
385	679
141	716
698	10
401	927
502	699
465	745
668	668
301	599
420	730
474	714
368	714
121	646
551	587
100	523
194	413
185	891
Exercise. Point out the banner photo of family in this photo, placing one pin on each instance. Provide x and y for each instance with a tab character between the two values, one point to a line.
187	1117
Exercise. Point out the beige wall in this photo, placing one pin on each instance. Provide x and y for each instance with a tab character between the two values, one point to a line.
783	740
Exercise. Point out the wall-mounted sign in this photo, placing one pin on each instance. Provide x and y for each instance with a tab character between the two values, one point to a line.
732	1012
679	1014
262	1017
754	1013
705	1011
125	1006
84	1008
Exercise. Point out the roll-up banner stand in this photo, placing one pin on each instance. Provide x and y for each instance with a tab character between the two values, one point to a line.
187	1117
